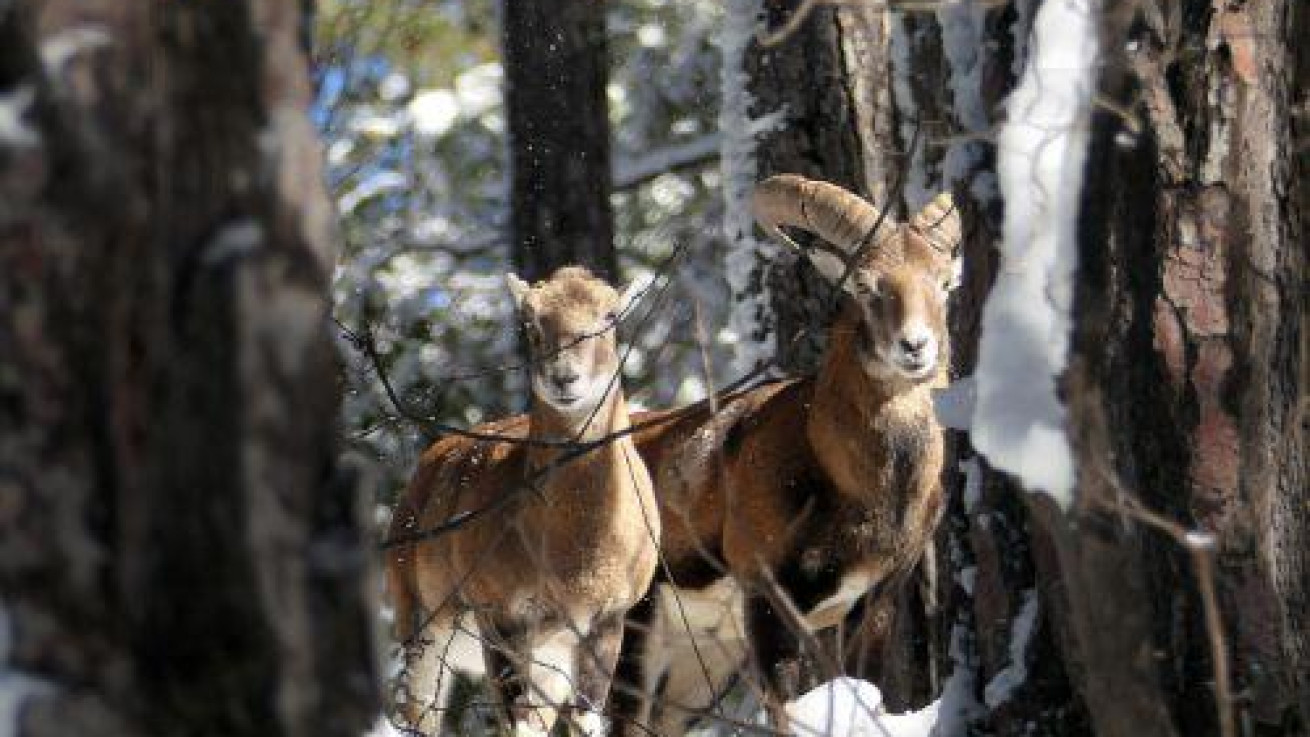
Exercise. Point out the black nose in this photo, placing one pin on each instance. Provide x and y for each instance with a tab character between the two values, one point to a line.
565	380
913	345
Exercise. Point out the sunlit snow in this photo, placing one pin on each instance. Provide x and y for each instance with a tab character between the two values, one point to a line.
1018	423
847	707
433	112
479	89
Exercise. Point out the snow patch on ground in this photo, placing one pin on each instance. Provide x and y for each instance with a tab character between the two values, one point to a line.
383	728
848	707
1018	423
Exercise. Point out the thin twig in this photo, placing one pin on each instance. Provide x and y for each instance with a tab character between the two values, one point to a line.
1200	545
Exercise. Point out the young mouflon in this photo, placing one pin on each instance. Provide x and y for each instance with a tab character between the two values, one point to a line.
550	575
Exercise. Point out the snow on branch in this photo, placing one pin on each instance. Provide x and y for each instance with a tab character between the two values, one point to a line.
1018	423
637	170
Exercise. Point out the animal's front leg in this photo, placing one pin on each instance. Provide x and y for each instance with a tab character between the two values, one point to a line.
504	651
597	656
552	681
530	669
629	697
777	653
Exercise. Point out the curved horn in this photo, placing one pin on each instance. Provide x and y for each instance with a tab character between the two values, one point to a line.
840	217
939	224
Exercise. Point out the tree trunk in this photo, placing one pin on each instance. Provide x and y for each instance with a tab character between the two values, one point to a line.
998	624
556	67
830	73
1188	375
1184	388
180	550
822	73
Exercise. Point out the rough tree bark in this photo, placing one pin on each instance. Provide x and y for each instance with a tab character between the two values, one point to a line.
1186	387
1189	371
180	550
556	67
837	126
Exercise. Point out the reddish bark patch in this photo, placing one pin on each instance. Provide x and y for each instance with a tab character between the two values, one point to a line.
1231	23
1194	277
1191	317
1168	340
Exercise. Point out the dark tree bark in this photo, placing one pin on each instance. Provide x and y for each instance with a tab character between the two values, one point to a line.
1189	371
180	550
556	67
838	126
1184	390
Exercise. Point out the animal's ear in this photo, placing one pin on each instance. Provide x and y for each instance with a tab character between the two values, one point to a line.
829	266
939	223
633	293
518	289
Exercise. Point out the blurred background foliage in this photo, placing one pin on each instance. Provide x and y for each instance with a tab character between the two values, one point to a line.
410	110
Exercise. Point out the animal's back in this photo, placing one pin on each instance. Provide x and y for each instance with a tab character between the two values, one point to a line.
456	475
686	452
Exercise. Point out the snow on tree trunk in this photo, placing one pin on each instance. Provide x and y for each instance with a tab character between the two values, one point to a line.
1182	379
748	258
180	549
1018	422
1154	321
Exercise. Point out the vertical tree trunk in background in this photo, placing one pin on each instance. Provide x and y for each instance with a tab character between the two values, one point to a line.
838	126
556	67
831	73
180	552
951	69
